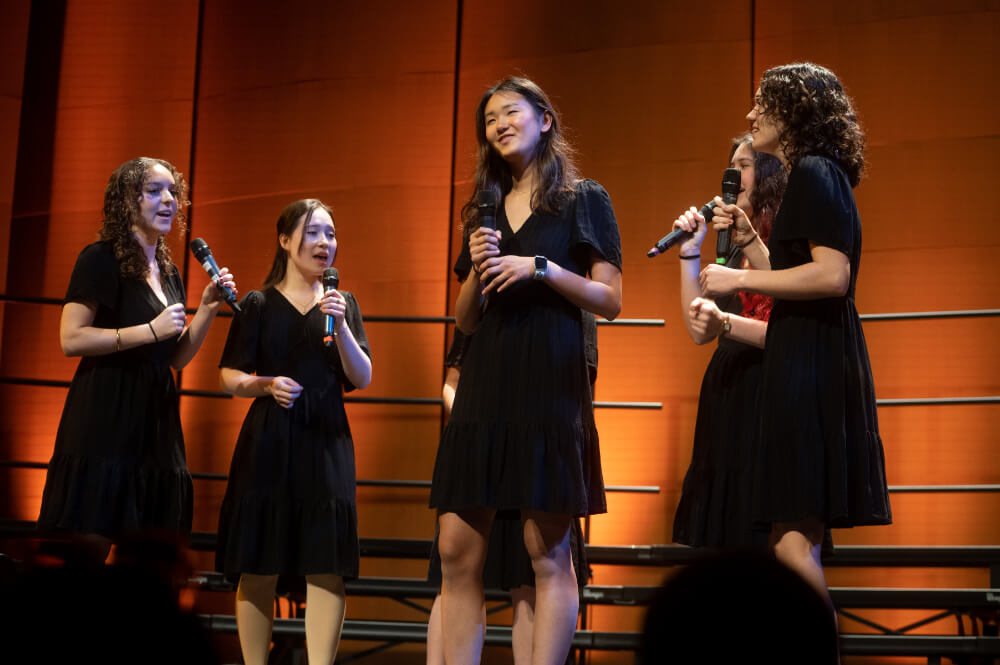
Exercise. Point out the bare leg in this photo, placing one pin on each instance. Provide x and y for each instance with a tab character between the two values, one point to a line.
462	545
255	616
523	599
325	605
557	603
798	545
435	647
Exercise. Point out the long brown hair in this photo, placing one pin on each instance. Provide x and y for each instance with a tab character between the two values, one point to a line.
288	221
121	212
555	170
769	181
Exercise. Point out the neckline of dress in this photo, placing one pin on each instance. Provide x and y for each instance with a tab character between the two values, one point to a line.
292	304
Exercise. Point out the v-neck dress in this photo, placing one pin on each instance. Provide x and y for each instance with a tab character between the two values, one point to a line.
521	433
290	504
119	463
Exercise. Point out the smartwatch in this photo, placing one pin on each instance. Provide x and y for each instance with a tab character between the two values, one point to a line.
541	266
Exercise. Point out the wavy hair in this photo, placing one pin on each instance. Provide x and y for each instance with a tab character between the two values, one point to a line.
288	221
769	181
816	116
553	162
121	213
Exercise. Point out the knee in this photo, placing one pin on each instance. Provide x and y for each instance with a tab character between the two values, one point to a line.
460	557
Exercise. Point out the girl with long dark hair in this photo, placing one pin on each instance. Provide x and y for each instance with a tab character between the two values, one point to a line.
290	504
522	435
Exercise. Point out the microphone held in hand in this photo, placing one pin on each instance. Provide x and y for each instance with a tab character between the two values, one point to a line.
679	235
207	261
730	192
486	203
331	280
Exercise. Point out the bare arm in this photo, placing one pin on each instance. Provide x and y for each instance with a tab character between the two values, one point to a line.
828	275
79	337
692	222
706	321
357	365
448	390
744	235
601	294
193	336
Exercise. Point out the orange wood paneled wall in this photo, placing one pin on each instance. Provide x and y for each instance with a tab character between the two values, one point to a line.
370	108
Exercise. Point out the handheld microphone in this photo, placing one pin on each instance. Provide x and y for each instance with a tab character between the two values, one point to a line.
486	203
730	192
207	261
679	235
331	280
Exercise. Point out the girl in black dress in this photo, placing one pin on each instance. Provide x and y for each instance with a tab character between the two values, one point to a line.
820	461
714	510
290	503
521	435
119	463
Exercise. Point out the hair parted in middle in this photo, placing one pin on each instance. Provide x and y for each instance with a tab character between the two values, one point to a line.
288	221
555	168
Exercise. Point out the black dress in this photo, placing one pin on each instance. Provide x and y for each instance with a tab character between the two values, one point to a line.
521	434
820	454
119	462
290	504
714	510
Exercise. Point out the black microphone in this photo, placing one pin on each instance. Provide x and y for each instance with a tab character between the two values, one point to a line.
486	203
207	261
730	192
679	235
331	280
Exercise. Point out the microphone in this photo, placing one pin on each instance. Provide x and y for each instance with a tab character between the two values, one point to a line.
207	261
730	192
486	203
679	235
331	280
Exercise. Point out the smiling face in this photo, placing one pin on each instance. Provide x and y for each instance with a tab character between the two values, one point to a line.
765	129
312	246
514	127
157	204
743	160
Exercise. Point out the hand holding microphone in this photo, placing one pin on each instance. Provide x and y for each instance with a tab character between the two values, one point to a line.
730	192
333	305
223	280
484	241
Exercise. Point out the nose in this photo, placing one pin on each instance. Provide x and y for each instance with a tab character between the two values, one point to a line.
752	115
166	196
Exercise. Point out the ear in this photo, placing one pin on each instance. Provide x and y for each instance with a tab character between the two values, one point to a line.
284	241
546	121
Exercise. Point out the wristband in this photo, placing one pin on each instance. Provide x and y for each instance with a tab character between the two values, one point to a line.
155	338
689	258
748	242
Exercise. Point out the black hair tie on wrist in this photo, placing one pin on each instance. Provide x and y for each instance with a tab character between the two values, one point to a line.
689	258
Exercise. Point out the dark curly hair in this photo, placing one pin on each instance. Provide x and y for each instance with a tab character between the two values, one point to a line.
815	114
769	180
555	169
121	212
288	221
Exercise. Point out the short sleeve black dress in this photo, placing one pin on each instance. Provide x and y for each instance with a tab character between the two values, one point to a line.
820	454
290	503
522	435
714	509
119	463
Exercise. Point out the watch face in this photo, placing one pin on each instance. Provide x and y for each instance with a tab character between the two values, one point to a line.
541	263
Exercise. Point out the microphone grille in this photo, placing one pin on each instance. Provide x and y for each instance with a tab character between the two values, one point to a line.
331	278
486	198
200	248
